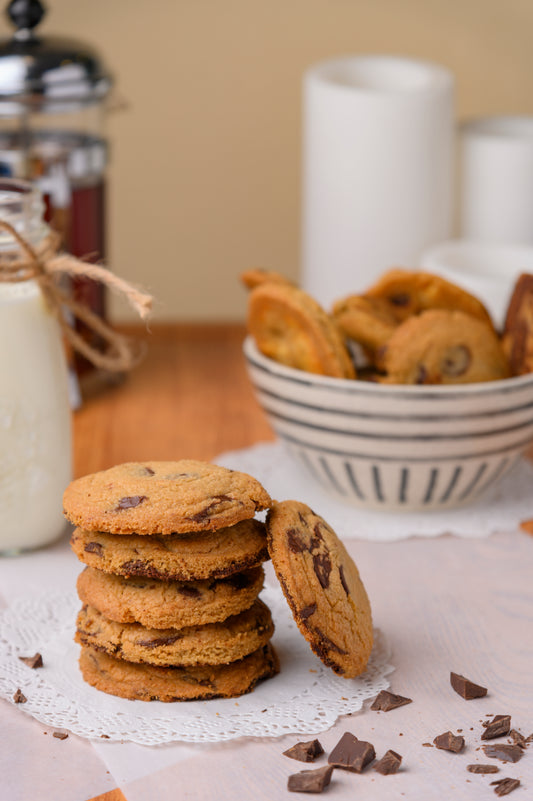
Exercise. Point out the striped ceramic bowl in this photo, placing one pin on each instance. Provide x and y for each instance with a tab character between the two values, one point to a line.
396	447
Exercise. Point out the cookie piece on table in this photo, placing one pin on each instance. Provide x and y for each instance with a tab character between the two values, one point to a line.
163	498
518	330
175	557
289	326
409	292
148	683
443	347
169	604
322	585
211	644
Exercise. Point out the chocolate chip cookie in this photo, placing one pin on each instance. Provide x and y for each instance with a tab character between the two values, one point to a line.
140	682
291	327
367	321
175	557
169	604
443	347
518	330
322	585
163	498
211	644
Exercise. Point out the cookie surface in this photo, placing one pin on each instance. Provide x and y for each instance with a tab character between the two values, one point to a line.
212	644
518	330
168	604
291	327
163	498
409	292
368	321
443	347
175	557
322	585
148	683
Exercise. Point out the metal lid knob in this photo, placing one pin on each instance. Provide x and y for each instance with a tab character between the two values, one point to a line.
25	16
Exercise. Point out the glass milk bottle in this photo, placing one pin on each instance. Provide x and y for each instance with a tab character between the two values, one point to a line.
35	424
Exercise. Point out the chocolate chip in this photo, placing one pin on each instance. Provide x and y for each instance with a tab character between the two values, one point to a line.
189	591
505	786
35	661
60	735
239	581
149	471
343	580
326	643
400	299
449	742
307	611
482	768
305	752
19	697
507	753
389	763
466	688
499	726
322	568
130	502
203	514
421	374
295	542
94	547
385	701
456	360
351	753
518	738
159	641
310	781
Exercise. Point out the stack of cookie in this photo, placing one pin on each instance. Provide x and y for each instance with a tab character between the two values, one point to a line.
170	592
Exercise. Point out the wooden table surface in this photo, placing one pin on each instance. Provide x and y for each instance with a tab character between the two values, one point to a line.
443	604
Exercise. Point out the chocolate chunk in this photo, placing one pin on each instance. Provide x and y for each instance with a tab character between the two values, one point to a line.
94	547
343	580
295	542
507	753
421	374
505	786
326	644
449	742
456	360
130	502
389	763
19	697
149	471
466	688
305	752
35	661
477	768
385	701
400	299
189	591
351	753
60	735
159	641
322	568
499	726
518	738
307	611
310	781
239	581
203	514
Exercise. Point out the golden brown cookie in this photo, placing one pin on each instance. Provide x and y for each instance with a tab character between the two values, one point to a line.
175	557
169	604
212	644
257	276
289	326
148	683
163	498
366	320
409	292
518	330
443	347
323	587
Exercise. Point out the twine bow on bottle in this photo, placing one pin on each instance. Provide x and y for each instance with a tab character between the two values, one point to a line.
45	265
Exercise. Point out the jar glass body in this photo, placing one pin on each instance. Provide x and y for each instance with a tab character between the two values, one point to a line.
35	418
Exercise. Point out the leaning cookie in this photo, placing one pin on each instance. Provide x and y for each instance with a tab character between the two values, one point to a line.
323	587
518	330
443	347
169	604
290	327
148	683
163	498
212	644
175	557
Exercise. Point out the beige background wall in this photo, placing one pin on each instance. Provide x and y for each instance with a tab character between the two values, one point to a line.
205	176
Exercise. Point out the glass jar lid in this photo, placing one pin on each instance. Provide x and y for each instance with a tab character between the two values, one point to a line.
46	74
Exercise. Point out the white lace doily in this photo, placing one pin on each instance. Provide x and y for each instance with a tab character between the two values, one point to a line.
306	697
501	508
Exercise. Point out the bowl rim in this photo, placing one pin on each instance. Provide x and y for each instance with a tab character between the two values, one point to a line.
352	386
